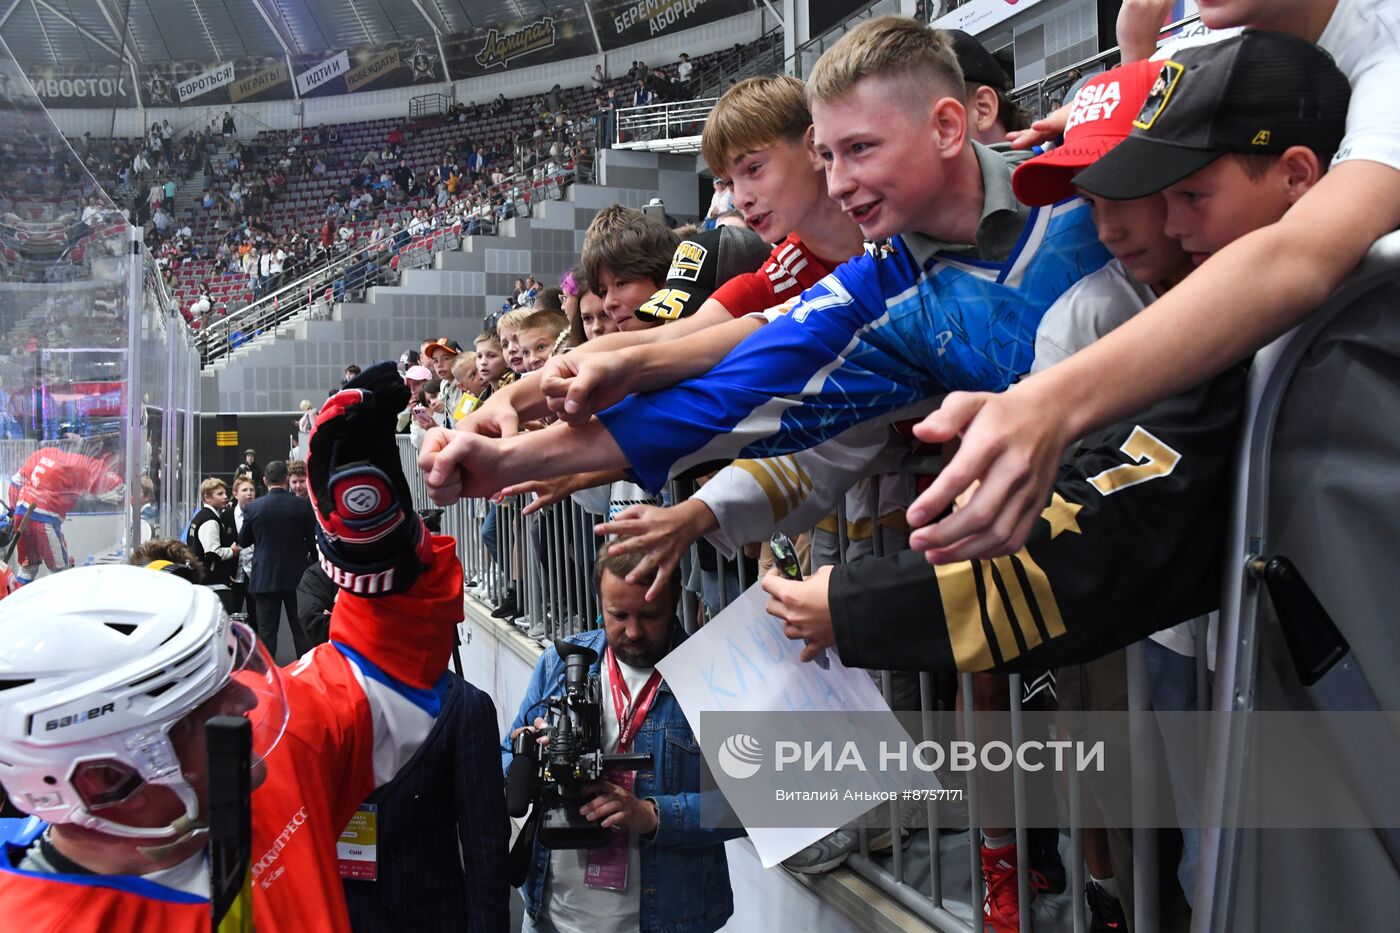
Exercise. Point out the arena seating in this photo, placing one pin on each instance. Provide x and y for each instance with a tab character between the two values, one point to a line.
299	207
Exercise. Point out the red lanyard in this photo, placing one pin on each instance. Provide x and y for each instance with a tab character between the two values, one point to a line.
629	714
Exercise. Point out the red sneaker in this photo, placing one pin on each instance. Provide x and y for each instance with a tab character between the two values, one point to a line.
1001	910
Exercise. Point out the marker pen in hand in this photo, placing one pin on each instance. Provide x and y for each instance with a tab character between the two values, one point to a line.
785	560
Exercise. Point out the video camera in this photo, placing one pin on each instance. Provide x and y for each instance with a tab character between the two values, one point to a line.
552	776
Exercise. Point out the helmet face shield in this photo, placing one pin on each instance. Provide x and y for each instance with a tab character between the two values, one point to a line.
170	756
254	690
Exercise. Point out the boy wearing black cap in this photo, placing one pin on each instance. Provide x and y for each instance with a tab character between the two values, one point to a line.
990	113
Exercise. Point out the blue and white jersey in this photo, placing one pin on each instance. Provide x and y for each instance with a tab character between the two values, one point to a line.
882	331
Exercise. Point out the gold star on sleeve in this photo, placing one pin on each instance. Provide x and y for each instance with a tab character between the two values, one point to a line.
1062	516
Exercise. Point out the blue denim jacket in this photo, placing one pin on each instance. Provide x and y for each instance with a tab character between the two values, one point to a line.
685	878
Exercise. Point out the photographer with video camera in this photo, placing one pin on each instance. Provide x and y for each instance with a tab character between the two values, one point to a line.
596	700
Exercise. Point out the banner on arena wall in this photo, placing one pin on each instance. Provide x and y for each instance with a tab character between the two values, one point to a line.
171	84
977	16
398	64
322	72
75	86
622	24
267	84
376	67
203	84
562	35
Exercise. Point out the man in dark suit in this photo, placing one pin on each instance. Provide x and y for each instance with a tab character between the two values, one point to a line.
282	529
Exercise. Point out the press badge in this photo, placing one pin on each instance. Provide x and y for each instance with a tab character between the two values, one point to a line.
607	867
357	849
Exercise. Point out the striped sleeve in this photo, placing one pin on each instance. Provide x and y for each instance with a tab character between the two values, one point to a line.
795	382
397	647
1128	543
792	493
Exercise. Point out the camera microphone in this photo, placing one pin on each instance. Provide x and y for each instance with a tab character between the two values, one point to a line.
522	783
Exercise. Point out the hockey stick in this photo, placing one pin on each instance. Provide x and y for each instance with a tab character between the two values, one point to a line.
15	536
229	741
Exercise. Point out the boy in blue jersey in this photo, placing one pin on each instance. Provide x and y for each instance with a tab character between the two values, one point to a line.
953	302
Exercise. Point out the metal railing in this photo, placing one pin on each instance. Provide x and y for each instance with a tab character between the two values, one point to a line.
673	127
538	567
428	105
1242	670
1038	98
350	274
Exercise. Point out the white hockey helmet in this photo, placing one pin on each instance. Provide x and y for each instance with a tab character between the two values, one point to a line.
97	664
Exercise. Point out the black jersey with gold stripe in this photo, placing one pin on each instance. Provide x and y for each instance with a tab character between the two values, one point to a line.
1130	542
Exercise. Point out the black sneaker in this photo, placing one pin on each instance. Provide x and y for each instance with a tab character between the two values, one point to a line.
1105	912
508	609
1043	843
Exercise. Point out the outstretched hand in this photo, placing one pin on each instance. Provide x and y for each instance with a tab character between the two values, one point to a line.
804	608
1011	452
547	491
457	465
577	386
495	418
664	535
1047	128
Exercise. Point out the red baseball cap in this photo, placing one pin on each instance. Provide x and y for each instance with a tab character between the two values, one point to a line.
1101	117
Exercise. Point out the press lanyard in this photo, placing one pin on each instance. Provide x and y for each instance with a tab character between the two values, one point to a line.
630	714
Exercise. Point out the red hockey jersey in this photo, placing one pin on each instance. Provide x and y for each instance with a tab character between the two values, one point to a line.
359	706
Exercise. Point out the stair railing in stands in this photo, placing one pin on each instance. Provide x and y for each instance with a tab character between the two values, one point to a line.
1038	98
349	274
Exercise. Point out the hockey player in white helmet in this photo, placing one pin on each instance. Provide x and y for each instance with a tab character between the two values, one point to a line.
108	675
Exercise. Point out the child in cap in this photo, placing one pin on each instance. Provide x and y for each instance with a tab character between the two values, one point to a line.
1088	564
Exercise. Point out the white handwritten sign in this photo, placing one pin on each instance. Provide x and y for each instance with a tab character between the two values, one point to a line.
742	662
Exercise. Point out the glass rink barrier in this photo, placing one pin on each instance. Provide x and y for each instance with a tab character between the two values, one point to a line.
1278	745
99	377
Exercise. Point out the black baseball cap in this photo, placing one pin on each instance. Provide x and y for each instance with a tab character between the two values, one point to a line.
978	65
1254	93
700	265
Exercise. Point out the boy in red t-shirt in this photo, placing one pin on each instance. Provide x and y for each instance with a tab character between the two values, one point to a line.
758	136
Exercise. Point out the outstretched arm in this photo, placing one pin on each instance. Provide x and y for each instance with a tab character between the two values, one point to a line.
469	465
1236	302
577	387
524	399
